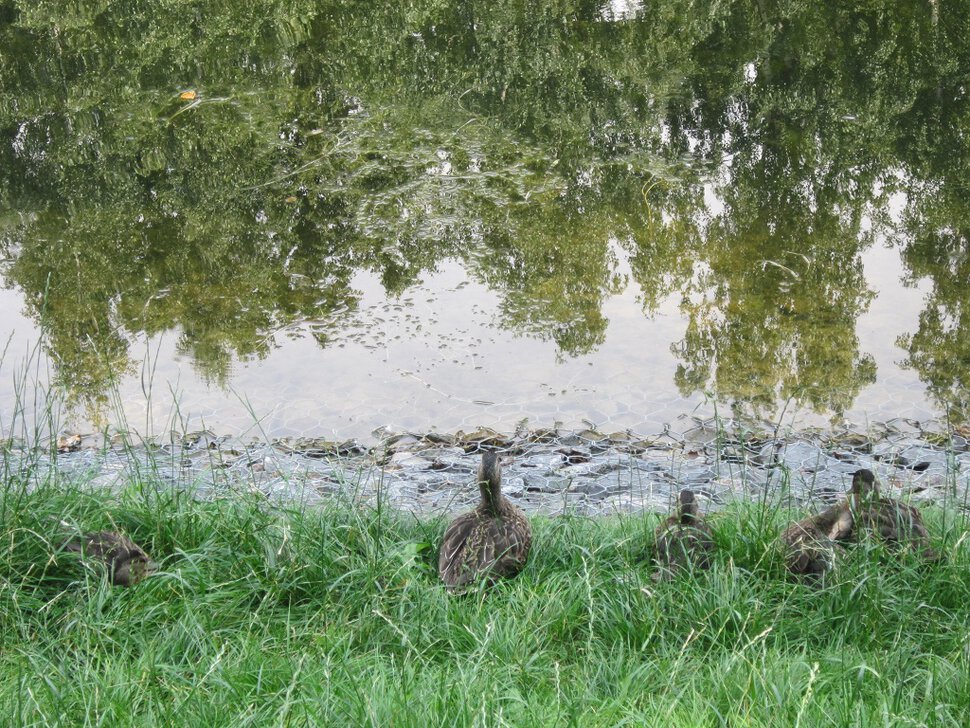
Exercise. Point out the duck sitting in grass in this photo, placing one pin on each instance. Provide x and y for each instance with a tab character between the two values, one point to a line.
810	545
127	563
491	542
683	540
898	524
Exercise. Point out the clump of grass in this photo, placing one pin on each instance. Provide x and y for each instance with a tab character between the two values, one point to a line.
264	615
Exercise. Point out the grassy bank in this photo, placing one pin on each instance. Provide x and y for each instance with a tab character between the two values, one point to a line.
267	616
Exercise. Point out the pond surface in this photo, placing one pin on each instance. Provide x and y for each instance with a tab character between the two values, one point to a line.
283	218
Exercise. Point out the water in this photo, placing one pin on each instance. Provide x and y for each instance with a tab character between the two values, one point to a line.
331	218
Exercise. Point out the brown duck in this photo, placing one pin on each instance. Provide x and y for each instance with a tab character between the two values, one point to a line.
683	540
898	524
810	545
127	563
491	542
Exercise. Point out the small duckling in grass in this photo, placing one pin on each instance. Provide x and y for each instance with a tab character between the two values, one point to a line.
683	540
491	542
810	545
127	563
898	524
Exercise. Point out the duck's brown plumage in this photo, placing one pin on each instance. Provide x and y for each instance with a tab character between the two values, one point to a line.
898	524
126	562
491	542
683	540
810	545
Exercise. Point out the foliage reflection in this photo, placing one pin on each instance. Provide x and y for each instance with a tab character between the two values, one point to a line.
739	156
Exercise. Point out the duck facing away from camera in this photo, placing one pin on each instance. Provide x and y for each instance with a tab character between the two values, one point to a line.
126	562
490	542
684	540
898	524
810	545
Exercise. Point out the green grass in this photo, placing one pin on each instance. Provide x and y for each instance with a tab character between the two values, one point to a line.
334	616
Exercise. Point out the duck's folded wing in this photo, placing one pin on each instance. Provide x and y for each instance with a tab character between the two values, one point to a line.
509	543
452	559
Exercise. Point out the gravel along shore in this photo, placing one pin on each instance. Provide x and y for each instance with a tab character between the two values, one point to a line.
546	471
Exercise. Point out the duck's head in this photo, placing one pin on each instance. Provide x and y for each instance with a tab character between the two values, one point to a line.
863	486
132	570
490	478
687	507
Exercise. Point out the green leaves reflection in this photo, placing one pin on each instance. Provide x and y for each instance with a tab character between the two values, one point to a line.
936	234
537	144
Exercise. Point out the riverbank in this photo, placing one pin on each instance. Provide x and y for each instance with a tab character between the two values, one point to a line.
266	613
546	471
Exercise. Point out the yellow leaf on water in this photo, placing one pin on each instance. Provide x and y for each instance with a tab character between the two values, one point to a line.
187	95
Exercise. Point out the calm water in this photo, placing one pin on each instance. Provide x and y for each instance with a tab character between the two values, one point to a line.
284	218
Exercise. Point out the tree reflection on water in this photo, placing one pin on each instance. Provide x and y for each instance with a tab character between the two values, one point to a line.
739	155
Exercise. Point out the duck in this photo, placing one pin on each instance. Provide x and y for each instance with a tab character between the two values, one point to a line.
811	544
126	562
489	543
898	524
683	540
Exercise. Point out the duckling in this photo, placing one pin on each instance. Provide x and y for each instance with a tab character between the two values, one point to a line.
127	563
683	539
810	545
493	541
898	524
